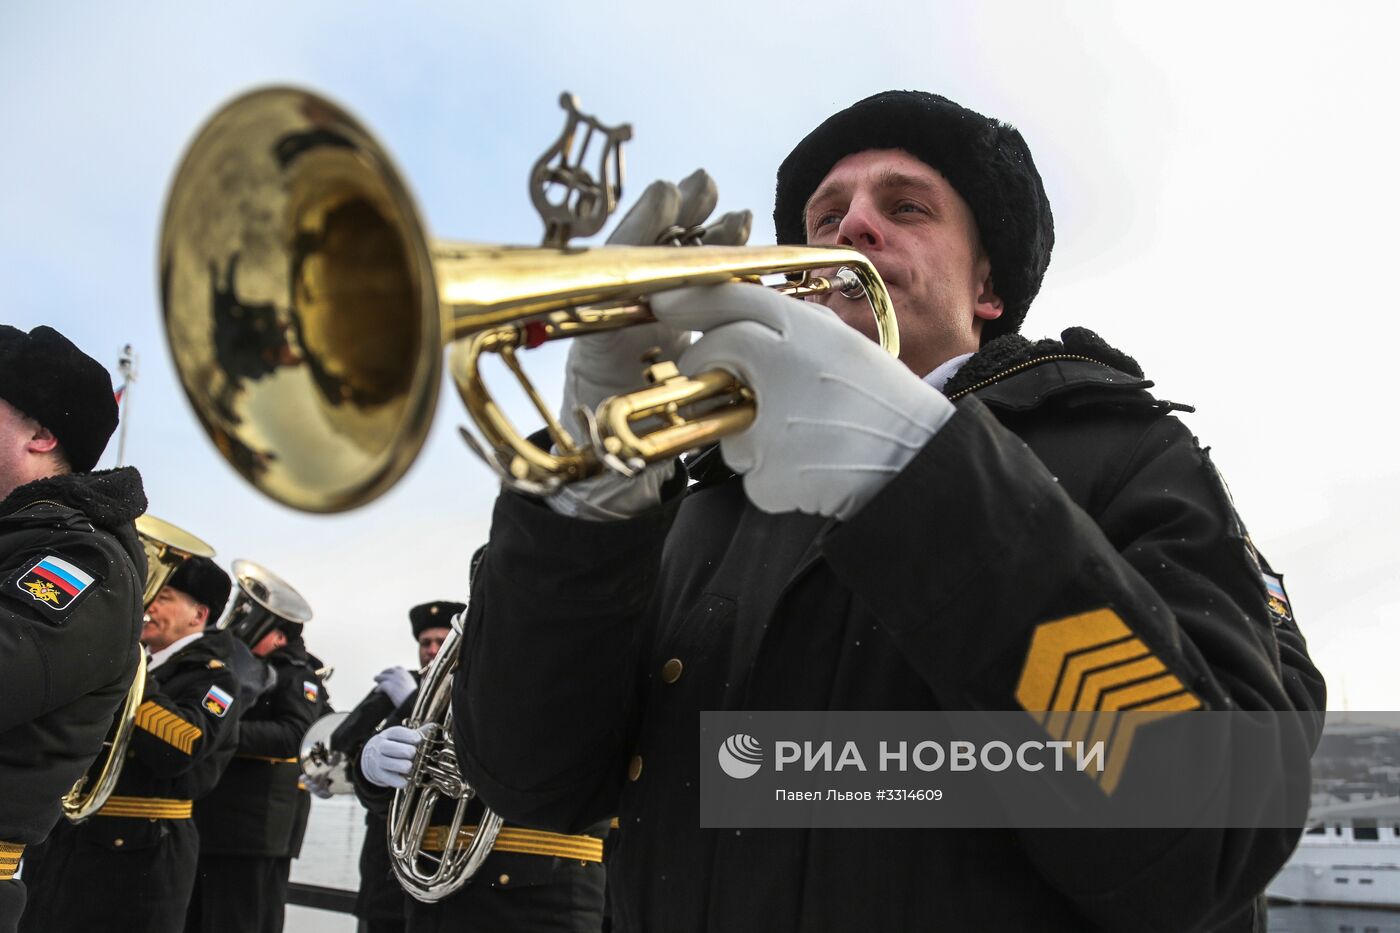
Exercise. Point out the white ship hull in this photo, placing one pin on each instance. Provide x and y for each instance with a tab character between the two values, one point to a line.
1344	861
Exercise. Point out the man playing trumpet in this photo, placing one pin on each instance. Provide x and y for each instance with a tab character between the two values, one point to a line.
887	535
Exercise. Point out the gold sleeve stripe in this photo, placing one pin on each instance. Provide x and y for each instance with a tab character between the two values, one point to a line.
1144	691
166	726
1078	665
1083	670
1119	743
1053	642
10	854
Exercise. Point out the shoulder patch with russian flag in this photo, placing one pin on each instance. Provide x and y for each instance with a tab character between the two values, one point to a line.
217	701
1279	607
310	690
54	583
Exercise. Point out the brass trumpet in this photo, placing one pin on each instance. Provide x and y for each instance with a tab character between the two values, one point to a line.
166	547
306	308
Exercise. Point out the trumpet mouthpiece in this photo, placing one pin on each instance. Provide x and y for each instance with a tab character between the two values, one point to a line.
848	283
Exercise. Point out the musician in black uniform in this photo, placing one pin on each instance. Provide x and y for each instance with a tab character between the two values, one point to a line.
531	881
251	825
72	572
131	866
380	905
941	531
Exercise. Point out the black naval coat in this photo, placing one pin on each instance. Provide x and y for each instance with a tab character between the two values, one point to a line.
66	658
1059	486
134	867
258	807
511	892
251	825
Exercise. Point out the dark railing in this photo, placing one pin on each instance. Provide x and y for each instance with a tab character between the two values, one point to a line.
336	900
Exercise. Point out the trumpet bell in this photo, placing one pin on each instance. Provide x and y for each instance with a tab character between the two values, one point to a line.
299	300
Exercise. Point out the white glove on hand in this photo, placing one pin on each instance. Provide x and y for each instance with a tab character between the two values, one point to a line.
838	417
395	683
388	756
603	365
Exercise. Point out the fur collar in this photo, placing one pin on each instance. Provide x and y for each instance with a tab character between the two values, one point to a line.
1012	349
109	498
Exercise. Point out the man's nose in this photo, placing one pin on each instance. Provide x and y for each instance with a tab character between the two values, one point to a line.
860	228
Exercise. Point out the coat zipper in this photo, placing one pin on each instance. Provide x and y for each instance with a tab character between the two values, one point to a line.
1023	366
30	505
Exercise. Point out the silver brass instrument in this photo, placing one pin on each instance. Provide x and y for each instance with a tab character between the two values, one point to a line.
264	600
306	308
166	547
426	874
320	763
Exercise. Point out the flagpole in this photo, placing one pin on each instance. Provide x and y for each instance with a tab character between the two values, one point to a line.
126	365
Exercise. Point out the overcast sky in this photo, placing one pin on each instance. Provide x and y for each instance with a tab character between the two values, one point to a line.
1223	178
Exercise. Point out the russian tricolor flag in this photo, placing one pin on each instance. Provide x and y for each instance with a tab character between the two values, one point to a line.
63	575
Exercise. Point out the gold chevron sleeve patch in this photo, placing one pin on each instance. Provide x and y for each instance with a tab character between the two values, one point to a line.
1082	670
166	726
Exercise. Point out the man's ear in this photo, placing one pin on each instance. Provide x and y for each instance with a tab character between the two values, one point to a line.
989	305
43	441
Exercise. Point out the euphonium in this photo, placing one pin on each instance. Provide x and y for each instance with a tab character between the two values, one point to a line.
431	869
167	547
263	601
306	308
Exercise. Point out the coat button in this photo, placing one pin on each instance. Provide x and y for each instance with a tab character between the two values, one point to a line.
118	842
504	879
671	670
634	768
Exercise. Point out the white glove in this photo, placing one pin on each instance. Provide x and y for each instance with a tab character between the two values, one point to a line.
388	756
838	417
603	365
395	683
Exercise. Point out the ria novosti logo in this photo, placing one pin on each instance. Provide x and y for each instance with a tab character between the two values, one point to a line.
740	756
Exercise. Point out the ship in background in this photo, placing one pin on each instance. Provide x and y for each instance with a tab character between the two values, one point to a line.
1350	852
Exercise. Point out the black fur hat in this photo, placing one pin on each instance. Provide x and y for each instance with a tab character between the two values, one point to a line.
986	161
205	582
49	379
433	615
